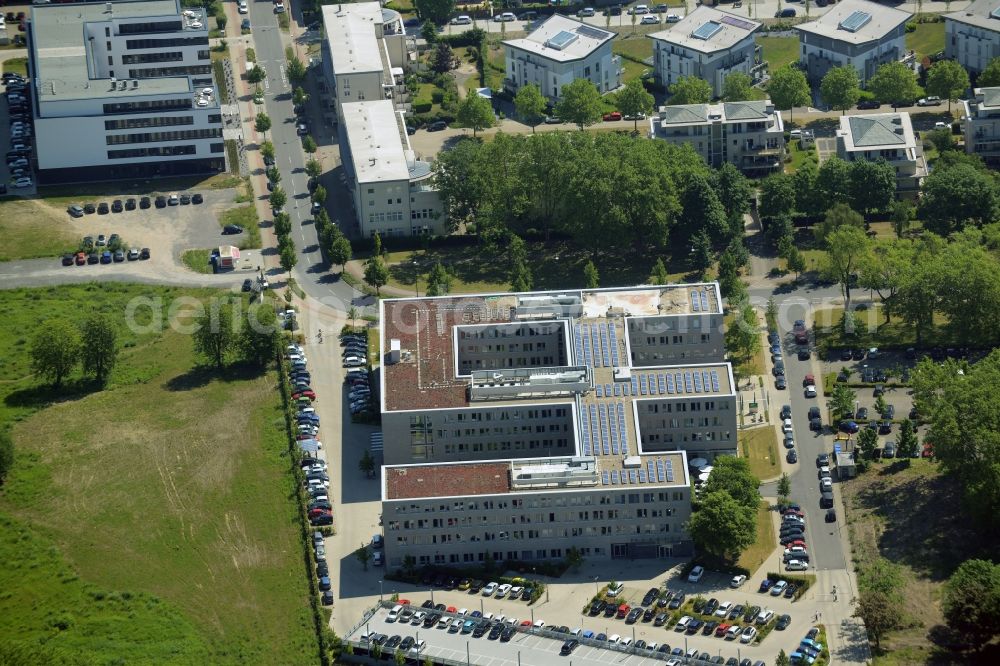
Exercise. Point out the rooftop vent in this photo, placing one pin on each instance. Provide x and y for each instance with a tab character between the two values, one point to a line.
855	21
135	83
108	8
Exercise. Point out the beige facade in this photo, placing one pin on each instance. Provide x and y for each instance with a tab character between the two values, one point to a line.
749	135
887	136
981	124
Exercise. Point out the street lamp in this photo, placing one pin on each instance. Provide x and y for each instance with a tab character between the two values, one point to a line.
595	585
380	591
416	278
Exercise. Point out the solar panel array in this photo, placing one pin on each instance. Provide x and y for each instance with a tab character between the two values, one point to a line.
593	33
605	431
614	344
737	22
678	383
699	301
656	470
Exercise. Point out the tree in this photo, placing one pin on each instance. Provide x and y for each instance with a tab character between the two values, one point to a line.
364	556
878	599
990	76
339	249
734	192
278	198
299	96
55	350
267	151
377	250
941	138
901	215
99	348
574	559
579	103
295	69
873	185
530	105
842	399
702	212
256	74
367	464
319	195
868	442
733	476
262	123
438	281
737	87
435	10
634	100
443	60
591	279
894	83
701	251
309	144
782	659
282	224
907	444
6	454
690	90
948	80
659	274
784	489
475	111
971	601
956	196
376	273
288	257
259	335
273	174
215	334
429	32
777	196
788	89
314	168
723	527
796	262
833	183
846	247
838	217
728	273
841	88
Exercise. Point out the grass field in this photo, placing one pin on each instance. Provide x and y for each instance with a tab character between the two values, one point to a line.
755	555
636	48
30	229
872	330
800	157
16	65
63	195
926	40
197	260
760	447
246	217
779	51
150	522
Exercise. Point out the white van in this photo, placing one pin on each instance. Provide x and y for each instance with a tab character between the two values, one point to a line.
461	20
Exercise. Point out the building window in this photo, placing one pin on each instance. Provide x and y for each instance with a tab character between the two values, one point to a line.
218	147
150	106
157	137
164	43
152	121
149	26
161	151
142	58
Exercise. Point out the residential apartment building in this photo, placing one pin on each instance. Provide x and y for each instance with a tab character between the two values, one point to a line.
981	124
392	191
707	43
862	34
888	136
366	53
122	90
749	135
972	35
559	51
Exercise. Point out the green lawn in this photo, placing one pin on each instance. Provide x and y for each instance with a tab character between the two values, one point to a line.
197	260
779	51
31	229
800	156
927	39
755	555
760	447
246	217
16	65
636	48
150	522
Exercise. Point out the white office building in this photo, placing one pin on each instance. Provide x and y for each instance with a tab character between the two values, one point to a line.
981	125
366	53
887	136
749	135
864	35
972	35
559	51
709	44
392	190
122	90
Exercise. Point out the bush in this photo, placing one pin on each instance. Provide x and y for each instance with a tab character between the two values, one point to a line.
911	26
437	96
803	583
422	105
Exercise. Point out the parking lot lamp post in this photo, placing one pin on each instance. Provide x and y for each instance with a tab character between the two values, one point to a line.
468	654
380	591
633	634
532	617
595	586
482	609
416	278
432	595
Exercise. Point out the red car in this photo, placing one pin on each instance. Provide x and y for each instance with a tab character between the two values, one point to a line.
614	115
797	542
320	512
809	380
793	512
451	609
928	451
403	602
801	338
304	394
623	610
81	258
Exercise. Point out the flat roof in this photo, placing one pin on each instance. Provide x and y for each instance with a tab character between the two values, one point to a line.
990	96
351	37
981	13
708	30
856	22
562	39
60	35
877	131
376	150
446	480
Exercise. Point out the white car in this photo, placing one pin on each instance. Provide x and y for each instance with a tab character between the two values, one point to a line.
463	611
489	589
810	391
614	639
826	484
515	592
539	624
639	9
503	590
650	19
394	613
723	609
23	182
737	581
696	574
506	17
733	633
796	565
586	11
682	623
243	9
786	425
418	618
355	361
625	642
419	646
279	6
765	616
748	635
673	18
461	20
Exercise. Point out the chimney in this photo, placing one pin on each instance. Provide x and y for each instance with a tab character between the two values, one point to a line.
108	8
135	83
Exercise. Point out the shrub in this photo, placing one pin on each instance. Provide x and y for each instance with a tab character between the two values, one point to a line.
911	26
437	96
422	105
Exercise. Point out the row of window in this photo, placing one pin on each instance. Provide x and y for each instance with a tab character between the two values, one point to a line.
668	438
505	414
492	331
504	430
161	151
508	362
379	218
165	43
148	106
546	501
563	533
498	556
158	72
423	214
659	325
157	137
505	519
518	445
172	25
157	121
513	347
708	406
143	58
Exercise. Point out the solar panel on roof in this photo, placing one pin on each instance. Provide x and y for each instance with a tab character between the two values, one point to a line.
855	21
604	478
652	385
715	381
737	22
642	476
660	474
651	470
697	382
593	33
662	380
704	301
688	388
670	384
670	470
642	384
623	428
695	302
635	385
599	391
631	476
614	477
618	390
707	30
607	390
678	383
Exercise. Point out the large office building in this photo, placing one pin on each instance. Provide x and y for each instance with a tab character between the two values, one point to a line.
558	52
392	191
546	420
857	33
887	136
122	90
981	124
707	43
366	53
972	35
749	135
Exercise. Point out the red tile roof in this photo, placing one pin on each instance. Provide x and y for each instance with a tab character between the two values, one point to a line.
444	480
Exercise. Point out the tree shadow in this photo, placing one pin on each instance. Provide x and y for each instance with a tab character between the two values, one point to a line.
46	394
